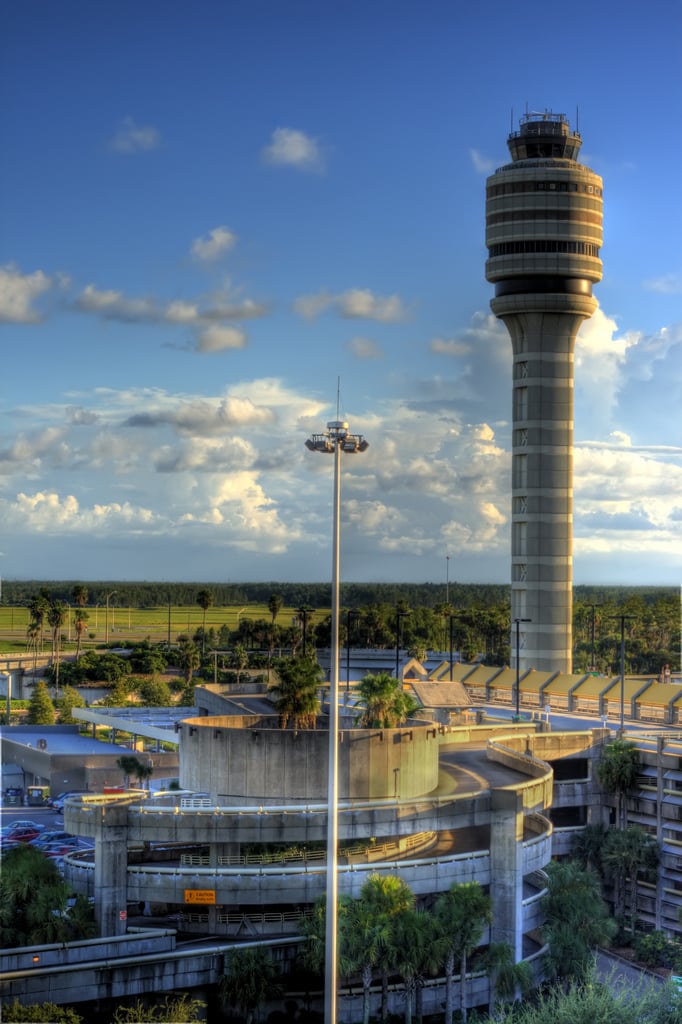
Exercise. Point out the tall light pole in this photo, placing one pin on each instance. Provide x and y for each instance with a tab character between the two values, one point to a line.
349	616
106	619
518	679
622	619
333	441
447	579
398	616
592	664
451	619
304	612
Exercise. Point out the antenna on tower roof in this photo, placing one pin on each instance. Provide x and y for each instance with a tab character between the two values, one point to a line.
577	120
511	120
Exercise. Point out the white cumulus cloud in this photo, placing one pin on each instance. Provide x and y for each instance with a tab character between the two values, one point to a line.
356	303
365	348
18	292
219	338
133	138
291	148
213	245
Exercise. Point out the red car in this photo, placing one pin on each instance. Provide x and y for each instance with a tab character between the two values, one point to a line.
21	823
22	833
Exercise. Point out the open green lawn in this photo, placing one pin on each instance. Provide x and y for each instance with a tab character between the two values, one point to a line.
140	623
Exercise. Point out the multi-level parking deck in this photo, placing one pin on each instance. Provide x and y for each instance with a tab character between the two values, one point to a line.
432	804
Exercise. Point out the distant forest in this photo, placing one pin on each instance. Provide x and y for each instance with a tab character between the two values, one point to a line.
475	615
314	595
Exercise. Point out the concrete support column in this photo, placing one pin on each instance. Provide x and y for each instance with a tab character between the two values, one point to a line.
506	868
542	473
111	868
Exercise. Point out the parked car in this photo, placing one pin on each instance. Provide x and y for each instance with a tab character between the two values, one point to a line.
22	831
21	823
49	837
9	844
58	802
60	847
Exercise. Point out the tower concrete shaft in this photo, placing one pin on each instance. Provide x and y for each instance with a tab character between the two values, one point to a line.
543	232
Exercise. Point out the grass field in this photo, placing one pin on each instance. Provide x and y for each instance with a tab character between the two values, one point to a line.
155	624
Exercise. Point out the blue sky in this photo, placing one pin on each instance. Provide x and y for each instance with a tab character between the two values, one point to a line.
212	212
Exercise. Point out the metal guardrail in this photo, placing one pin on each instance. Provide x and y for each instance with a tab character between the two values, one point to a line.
294	855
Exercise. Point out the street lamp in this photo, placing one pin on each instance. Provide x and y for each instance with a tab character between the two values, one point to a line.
398	616
350	614
106	619
452	619
447	579
592	664
304	612
518	680
622	619
333	441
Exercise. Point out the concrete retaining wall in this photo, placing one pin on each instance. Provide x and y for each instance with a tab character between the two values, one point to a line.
259	763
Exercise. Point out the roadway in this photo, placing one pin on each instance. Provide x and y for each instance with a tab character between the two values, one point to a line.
562	721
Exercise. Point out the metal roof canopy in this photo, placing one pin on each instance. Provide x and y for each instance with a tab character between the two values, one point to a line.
155	723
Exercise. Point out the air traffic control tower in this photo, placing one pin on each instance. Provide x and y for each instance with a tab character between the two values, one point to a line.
543	233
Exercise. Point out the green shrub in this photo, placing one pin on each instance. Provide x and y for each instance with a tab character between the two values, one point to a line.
39	1013
654	949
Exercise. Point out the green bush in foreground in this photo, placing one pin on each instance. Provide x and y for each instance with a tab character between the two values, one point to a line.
39	1013
178	1009
594	1002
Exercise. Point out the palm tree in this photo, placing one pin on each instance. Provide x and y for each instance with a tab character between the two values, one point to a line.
462	913
384	896
250	980
576	920
508	978
33	636
628	853
304	613
56	617
386	704
143	773
188	658
80	595
617	772
205	601
414	950
239	660
350	954
588	846
295	694
38	608
33	902
129	765
80	624
274	606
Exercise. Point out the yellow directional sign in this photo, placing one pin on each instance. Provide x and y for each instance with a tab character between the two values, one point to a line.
200	896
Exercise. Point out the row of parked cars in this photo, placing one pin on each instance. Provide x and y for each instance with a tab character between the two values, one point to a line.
51	842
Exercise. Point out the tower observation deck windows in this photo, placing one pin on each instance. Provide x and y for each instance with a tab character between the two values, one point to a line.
509	188
544	245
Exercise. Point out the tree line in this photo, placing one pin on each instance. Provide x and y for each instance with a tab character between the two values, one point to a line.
137	594
480	626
